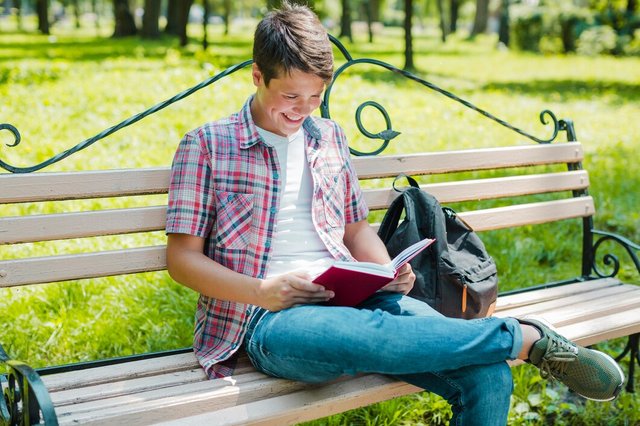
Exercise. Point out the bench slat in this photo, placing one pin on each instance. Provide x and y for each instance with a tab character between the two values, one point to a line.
24	229
545	294
604	328
161	404
115	372
48	269
582	307
115	183
529	214
466	160
306	404
487	189
81	185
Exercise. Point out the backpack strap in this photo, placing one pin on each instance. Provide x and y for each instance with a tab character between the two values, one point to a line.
394	212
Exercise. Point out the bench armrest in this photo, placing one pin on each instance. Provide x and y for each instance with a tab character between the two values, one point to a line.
610	259
24	398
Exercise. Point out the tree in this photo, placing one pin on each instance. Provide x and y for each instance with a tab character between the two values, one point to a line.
481	18
345	20
368	14
443	24
408	37
150	25
503	32
125	24
183	20
454	12
42	8
227	4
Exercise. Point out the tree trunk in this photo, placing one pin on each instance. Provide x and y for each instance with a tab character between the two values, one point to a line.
150	24
227	16
172	17
205	22
96	13
18	5
345	20
443	24
76	12
454	11
503	32
482	17
632	6
368	13
183	20
42	8
125	24
408	38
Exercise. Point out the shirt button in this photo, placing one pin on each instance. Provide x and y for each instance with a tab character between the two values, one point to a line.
276	176
273	210
267	244
229	197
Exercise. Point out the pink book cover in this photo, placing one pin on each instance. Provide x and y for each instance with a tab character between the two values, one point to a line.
353	282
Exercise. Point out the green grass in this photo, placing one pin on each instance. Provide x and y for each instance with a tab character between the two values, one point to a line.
63	89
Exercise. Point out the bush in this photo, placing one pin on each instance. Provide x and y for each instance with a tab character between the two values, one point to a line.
527	27
632	47
597	40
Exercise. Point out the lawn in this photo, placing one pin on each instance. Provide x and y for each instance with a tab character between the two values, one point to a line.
63	89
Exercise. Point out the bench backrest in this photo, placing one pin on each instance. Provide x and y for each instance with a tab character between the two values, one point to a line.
123	202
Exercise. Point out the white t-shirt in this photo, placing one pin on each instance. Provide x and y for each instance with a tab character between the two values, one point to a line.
296	244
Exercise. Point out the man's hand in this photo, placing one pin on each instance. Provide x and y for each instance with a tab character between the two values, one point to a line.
403	283
287	290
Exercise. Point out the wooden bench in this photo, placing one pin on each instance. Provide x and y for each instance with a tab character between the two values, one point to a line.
171	388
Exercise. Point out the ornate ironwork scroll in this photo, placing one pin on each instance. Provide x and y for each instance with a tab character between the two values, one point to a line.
25	399
610	260
546	116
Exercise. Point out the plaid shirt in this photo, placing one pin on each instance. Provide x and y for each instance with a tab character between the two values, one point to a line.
225	187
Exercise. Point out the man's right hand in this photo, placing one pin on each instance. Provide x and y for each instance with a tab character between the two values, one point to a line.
288	290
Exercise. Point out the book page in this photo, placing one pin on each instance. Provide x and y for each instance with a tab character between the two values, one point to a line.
409	253
367	267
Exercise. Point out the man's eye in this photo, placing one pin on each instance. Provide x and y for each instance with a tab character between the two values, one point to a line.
290	96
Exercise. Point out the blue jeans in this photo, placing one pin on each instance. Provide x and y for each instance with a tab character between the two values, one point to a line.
461	360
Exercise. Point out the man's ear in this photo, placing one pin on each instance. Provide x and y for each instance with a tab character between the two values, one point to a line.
258	78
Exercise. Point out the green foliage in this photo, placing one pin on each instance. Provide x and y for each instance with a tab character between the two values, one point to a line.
527	27
597	40
63	89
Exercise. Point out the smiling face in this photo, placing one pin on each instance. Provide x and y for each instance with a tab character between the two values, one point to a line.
282	106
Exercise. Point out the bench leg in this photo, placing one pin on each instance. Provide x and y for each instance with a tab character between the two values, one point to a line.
634	357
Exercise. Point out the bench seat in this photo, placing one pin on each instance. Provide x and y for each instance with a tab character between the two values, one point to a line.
175	390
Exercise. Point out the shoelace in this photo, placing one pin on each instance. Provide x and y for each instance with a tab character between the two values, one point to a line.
556	358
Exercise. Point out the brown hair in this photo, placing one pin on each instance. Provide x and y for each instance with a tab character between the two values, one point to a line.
292	38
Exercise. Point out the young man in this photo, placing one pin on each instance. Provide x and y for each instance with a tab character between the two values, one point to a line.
261	199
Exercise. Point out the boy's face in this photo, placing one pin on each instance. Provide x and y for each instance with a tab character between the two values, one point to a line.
282	107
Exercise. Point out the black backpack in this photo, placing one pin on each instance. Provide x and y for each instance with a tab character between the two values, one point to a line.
455	275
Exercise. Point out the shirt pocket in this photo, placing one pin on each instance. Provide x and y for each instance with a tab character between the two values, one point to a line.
332	187
234	218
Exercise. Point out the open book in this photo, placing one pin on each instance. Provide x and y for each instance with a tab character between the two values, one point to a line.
353	282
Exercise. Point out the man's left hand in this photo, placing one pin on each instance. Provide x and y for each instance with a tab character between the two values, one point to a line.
403	283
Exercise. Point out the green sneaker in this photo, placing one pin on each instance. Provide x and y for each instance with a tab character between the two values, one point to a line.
591	374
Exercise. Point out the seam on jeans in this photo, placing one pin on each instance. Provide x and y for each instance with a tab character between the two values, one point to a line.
458	399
